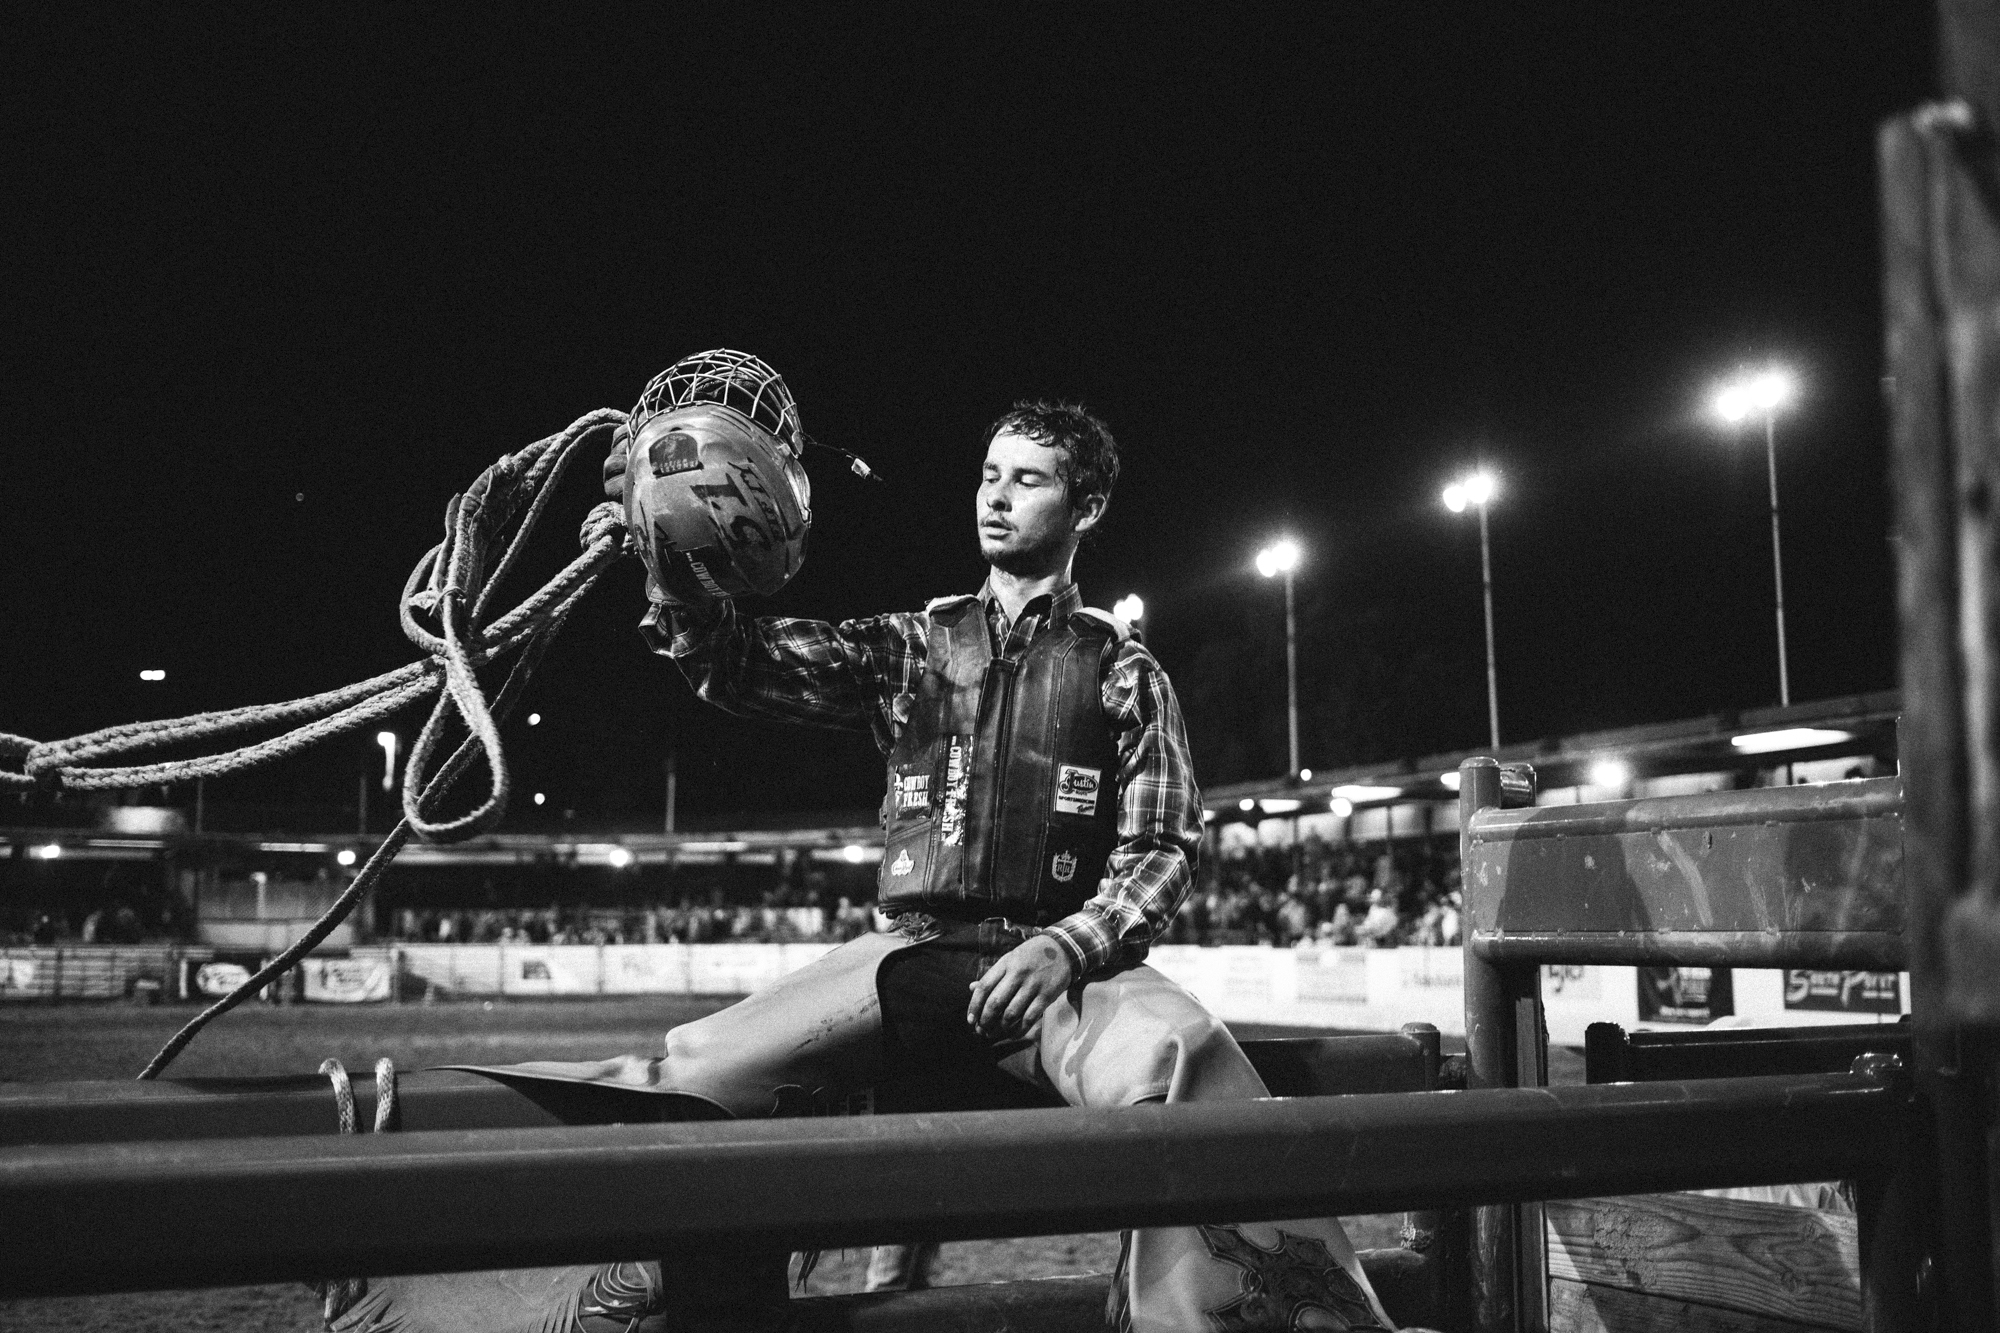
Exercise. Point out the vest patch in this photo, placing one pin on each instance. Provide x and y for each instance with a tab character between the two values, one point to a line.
1076	790
957	785
913	791
902	865
1063	867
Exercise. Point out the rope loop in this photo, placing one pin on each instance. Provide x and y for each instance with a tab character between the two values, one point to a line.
446	613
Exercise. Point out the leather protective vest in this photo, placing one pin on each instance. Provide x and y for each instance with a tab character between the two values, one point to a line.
1003	783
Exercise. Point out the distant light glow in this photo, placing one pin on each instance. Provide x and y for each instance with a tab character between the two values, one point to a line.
1207	815
1130	608
1449	780
153	674
1246	805
1788	738
345	856
541	798
619	858
1340	807
1358	792
852	853
1305	775
1610	773
49	851
1283	805
387	740
1474	488
1280	557
534	719
1761	393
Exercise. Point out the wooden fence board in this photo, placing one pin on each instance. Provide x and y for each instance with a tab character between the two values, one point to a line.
1583	1307
1762	1258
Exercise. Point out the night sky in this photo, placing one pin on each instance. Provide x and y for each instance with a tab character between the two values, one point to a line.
277	288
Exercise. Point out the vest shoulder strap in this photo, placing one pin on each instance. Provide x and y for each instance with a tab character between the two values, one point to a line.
1106	622
937	604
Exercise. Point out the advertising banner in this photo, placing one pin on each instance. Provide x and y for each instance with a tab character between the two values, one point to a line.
1844	992
346	980
224	973
549	969
1332	976
17	974
1684	994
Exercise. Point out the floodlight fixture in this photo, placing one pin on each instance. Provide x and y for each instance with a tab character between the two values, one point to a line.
1788	738
1610	773
1360	792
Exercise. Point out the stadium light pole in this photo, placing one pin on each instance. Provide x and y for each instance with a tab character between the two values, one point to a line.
1765	392
1477	489
1282	557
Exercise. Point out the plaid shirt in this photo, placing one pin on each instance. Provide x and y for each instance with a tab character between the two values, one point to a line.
848	676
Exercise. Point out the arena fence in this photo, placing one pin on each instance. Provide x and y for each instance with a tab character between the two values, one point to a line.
1803	877
94	971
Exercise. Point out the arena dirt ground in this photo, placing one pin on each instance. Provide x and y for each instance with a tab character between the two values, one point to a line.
108	1041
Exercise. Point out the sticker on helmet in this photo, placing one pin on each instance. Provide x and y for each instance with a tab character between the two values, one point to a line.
676	452
1076	789
1063	867
902	865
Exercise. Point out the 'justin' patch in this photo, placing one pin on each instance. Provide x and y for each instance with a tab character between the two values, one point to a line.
1076	789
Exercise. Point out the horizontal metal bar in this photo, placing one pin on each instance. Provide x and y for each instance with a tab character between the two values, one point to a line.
89	1218
1614	1055
1875	798
1860	951
112	1111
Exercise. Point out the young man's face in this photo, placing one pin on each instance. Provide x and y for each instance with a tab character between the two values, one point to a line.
1026	523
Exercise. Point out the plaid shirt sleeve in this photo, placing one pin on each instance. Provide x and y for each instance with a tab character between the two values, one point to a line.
844	676
1159	822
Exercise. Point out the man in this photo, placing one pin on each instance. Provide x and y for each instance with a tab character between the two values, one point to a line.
1042	824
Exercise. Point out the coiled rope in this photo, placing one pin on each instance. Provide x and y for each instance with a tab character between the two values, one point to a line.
452	585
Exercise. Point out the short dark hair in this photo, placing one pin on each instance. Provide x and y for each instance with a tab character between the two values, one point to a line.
1089	463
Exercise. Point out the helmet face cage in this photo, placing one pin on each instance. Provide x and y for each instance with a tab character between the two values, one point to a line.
735	380
714	488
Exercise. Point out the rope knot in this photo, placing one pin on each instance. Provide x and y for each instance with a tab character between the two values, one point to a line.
606	520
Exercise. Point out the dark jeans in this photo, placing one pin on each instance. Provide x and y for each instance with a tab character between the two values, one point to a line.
926	990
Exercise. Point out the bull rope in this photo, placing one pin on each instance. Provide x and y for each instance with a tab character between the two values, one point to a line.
447	578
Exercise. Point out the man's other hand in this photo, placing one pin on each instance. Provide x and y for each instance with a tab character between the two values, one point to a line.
1010	999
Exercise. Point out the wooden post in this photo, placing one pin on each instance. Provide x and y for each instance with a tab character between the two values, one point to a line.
1941	299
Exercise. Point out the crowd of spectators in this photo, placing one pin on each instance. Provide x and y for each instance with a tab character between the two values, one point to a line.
777	919
1321	894
1327	894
